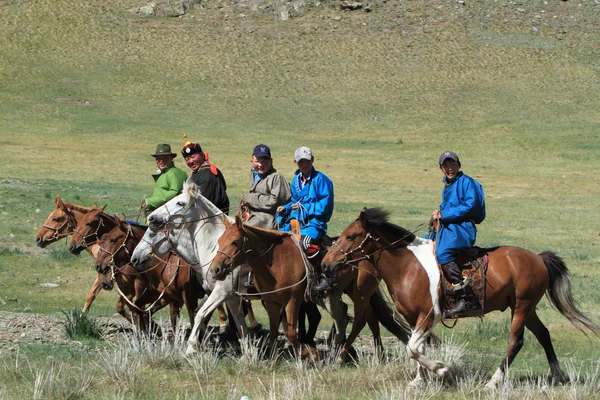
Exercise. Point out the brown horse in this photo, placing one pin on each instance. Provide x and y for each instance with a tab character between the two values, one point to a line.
516	279
279	275
60	223
166	281
87	233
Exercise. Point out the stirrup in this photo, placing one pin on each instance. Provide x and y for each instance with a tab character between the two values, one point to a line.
461	285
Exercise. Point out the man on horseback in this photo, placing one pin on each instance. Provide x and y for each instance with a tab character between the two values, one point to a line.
268	190
463	206
311	205
205	175
168	179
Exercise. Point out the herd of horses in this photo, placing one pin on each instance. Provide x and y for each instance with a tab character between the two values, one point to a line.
193	255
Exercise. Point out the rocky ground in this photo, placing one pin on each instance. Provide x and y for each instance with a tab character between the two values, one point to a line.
17	329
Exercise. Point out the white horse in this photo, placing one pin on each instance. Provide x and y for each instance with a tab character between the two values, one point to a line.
190	225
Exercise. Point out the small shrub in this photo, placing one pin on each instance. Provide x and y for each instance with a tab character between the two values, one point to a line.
7	251
78	325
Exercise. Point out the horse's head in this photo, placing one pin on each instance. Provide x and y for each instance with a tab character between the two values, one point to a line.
174	213
230	251
116	246
152	243
59	224
89	229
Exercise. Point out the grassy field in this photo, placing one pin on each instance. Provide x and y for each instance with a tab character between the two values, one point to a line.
87	90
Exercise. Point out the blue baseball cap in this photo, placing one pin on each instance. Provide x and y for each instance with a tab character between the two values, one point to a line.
262	150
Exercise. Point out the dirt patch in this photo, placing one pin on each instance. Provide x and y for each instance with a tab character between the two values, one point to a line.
17	329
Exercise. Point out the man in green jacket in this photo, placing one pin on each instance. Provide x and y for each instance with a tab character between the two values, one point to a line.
168	178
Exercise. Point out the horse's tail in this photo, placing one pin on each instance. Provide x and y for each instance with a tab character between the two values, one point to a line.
559	293
398	327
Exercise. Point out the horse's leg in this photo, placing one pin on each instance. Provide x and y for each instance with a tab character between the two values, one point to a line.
415	348
174	309
91	296
236	313
333	304
120	308
254	324
361	304
375	330
536	326
273	310
201	319
222	318
291	310
515	342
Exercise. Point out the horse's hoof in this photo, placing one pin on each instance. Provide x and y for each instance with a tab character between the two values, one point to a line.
191	350
415	383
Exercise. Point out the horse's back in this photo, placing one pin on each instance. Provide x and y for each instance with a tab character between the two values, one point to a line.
514	273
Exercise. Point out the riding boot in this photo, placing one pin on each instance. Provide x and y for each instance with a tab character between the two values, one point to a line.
455	277
322	284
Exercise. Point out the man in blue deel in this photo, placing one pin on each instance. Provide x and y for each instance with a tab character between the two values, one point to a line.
463	206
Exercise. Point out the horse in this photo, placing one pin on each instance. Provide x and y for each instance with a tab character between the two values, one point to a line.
165	282
90	228
279	274
60	224
191	226
516	278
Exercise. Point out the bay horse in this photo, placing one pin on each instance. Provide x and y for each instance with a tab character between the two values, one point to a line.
60	224
166	281
516	278
190	225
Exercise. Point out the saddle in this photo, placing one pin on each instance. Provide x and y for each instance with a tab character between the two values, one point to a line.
473	263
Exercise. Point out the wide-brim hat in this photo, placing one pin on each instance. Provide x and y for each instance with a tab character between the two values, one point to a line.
163	149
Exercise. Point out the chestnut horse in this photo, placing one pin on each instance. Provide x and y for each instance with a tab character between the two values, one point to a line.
88	232
165	282
60	223
279	274
516	279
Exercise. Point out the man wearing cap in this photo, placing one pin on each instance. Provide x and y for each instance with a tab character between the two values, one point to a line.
463	206
168	178
311	204
206	176
268	190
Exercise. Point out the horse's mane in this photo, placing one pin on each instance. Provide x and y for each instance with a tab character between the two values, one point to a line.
267	233
77	207
378	218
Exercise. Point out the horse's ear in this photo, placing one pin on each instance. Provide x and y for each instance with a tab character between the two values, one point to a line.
362	218
238	221
226	221
102	208
94	206
59	203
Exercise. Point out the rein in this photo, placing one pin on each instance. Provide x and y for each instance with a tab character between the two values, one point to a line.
360	248
95	233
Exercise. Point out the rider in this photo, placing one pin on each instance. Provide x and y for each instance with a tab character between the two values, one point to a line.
463	206
268	190
311	204
168	179
208	177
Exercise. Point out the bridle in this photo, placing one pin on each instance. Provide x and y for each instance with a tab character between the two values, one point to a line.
93	234
242	248
111	262
70	222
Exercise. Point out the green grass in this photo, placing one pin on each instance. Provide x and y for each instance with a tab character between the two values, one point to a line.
87	90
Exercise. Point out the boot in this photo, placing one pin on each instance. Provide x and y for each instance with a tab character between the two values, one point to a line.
459	308
322	284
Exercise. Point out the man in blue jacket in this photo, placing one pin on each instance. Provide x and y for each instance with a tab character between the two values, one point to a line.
462	207
311	204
